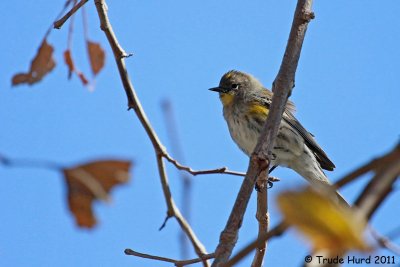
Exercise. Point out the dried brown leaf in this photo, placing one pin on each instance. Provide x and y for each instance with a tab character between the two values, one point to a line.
96	56
93	181
69	62
72	69
83	79
21	78
42	64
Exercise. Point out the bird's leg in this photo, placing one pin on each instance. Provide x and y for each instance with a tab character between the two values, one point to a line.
271	180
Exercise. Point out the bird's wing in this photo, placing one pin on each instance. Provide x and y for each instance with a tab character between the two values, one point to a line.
288	116
266	100
321	156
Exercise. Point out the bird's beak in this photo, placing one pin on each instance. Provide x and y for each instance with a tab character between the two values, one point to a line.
216	89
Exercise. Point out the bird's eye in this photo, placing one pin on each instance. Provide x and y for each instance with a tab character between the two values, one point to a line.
235	86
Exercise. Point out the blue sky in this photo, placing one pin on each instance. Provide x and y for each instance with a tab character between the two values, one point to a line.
346	95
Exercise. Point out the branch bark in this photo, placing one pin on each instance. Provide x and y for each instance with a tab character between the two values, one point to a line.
276	231
259	160
263	225
59	23
134	103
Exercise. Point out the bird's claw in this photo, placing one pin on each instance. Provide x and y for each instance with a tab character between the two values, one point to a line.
270	182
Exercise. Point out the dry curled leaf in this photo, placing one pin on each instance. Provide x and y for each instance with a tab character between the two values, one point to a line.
326	224
96	56
93	181
82	78
72	69
42	64
69	62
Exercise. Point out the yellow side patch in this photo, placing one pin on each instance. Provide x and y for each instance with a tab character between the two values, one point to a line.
257	109
226	99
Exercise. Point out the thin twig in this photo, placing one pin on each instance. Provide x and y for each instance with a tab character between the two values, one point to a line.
30	163
176	262
134	103
372	165
222	170
274	232
186	179
67	3
385	242
259	160
59	23
381	184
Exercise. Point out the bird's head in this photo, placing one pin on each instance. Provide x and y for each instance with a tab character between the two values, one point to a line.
236	84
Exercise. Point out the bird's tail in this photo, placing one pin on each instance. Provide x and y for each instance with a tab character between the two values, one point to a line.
318	180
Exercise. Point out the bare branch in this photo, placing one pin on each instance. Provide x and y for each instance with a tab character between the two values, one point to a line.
263	225
30	163
381	184
59	23
134	103
385	242
176	262
373	165
173	136
222	170
259	160
276	231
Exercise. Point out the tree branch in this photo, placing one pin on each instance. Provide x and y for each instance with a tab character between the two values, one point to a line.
59	23
386	174
276	231
176	262
222	170
259	160
30	163
186	179
263	225
134	103
384	242
372	165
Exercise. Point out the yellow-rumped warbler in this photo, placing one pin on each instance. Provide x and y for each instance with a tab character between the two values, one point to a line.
245	107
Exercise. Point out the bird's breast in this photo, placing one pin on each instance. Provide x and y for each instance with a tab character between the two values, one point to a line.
243	128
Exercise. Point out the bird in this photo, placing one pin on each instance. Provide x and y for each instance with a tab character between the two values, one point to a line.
246	104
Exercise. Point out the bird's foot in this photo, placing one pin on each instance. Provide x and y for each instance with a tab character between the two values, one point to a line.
261	184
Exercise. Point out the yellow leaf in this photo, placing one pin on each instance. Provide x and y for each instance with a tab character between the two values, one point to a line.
326	224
